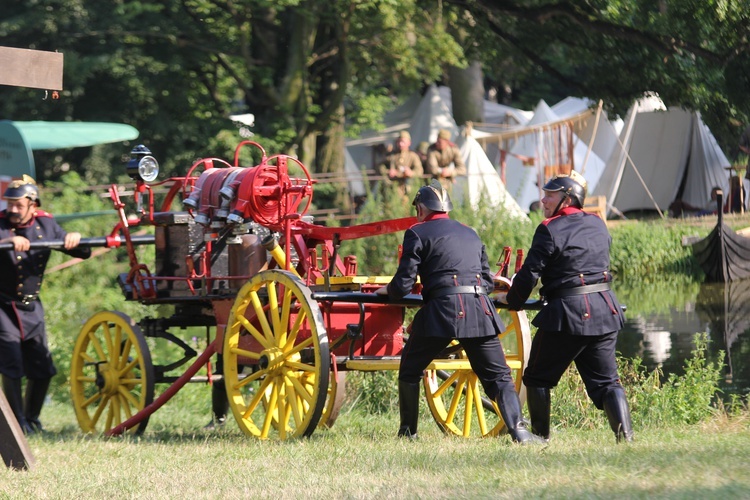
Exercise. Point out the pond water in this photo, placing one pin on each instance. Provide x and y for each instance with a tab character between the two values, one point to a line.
663	318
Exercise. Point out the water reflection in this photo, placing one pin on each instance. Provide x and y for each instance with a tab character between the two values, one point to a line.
662	321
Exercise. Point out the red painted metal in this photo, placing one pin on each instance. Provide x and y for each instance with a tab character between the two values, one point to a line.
268	195
167	394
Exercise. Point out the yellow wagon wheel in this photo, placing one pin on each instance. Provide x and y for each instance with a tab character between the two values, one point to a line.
455	396
111	373
277	328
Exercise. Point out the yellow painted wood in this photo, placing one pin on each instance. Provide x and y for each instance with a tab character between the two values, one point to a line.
355	280
371	365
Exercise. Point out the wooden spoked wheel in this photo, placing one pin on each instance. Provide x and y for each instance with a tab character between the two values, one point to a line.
111	373
455	396
276	331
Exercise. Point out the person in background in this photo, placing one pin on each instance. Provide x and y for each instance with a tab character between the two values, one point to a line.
535	206
736	200
581	317
744	146
23	339
403	167
444	161
679	208
451	262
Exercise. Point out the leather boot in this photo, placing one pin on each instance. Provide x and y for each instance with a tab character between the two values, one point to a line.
36	392
618	413
538	401
12	390
219	405
510	409
408	405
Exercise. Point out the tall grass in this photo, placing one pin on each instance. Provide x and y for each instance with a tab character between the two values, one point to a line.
655	400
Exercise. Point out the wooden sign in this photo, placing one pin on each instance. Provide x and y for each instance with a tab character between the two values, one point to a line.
13	445
31	68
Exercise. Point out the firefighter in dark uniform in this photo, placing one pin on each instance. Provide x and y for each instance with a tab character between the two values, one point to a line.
581	316
451	262
23	340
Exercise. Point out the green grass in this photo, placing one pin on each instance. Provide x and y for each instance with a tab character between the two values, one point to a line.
685	447
360	457
673	456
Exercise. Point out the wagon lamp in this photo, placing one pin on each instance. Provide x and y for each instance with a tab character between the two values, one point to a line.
142	166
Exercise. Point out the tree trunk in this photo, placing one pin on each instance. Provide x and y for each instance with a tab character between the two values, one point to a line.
329	158
467	93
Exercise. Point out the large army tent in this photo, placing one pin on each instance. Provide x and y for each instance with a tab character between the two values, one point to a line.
482	180
544	145
429	116
355	179
603	131
666	155
494	113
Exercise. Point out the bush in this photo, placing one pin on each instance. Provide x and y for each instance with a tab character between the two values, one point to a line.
373	393
684	399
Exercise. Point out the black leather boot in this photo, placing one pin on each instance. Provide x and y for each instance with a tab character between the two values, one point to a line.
408	405
12	390
538	401
618	413
510	409
36	392
219	405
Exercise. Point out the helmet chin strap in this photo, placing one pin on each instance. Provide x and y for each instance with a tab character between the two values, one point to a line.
562	200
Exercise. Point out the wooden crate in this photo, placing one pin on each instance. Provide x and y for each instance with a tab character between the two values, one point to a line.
596	205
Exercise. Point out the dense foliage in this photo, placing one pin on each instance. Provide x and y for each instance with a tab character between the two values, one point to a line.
177	69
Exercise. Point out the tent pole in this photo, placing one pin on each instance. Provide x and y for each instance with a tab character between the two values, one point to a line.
623	160
643	183
593	137
628	159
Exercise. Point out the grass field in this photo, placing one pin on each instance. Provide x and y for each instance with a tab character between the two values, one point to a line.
360	458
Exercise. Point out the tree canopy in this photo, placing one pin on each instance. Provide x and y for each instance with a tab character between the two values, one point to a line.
177	69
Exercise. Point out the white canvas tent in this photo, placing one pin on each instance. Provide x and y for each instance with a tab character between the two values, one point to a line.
430	115
604	132
666	155
494	113
482	180
542	143
423	116
354	176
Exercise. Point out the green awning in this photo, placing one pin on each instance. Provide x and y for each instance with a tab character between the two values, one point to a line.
61	135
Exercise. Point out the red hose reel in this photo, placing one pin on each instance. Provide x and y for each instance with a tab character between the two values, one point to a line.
265	193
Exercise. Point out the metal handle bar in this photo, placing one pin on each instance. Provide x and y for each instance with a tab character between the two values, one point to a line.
100	241
411	300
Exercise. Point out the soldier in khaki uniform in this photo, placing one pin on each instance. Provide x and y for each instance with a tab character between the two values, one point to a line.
402	167
444	160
